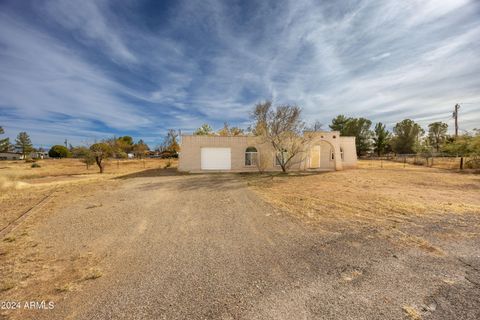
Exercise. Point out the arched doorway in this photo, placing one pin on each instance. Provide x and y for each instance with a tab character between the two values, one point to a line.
322	156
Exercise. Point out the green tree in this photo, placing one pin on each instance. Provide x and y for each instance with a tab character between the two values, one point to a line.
125	144
339	123
24	143
357	127
85	154
4	143
406	139
58	151
101	151
381	139
140	149
360	129
463	145
204	130
437	134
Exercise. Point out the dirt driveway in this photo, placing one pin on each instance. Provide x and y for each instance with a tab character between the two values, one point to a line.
207	247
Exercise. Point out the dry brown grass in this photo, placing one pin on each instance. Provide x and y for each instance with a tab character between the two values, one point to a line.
62	168
412	313
93	274
22	187
447	163
371	196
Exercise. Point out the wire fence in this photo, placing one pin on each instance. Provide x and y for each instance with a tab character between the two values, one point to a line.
442	161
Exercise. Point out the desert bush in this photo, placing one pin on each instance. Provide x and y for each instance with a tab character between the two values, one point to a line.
473	163
168	164
35	165
262	162
58	151
30	160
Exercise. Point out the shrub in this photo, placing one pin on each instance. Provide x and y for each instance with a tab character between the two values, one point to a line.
58	151
35	165
168	164
473	164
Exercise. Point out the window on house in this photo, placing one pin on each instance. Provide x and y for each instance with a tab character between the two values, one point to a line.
251	156
341	153
332	154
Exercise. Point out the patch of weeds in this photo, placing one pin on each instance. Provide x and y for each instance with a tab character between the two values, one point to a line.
94	206
412	313
65	288
93	274
9	239
6	285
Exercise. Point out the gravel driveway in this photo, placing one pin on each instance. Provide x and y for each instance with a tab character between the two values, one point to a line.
206	247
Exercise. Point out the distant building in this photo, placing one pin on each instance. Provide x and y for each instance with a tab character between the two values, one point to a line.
39	155
11	156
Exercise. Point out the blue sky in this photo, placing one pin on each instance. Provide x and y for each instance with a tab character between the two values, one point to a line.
86	70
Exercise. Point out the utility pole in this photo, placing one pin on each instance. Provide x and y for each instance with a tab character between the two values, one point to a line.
455	115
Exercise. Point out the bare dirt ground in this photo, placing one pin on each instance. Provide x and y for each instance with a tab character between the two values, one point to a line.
357	244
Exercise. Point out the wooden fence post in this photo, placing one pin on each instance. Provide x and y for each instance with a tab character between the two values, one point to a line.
461	163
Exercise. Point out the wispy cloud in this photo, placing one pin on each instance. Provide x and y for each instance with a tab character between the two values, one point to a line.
103	68
92	23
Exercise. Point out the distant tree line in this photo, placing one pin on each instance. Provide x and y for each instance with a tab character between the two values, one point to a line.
206	130
407	136
284	129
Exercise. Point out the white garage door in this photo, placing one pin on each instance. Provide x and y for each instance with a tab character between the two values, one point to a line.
216	159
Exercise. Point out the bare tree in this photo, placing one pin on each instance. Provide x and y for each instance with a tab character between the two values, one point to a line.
230	131
283	128
170	143
316	126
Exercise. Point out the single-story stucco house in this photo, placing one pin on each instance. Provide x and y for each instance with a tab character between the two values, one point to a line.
11	156
326	150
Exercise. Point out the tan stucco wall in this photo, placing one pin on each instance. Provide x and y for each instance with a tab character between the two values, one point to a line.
190	152
349	152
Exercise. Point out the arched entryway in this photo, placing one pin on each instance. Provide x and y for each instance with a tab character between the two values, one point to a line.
322	156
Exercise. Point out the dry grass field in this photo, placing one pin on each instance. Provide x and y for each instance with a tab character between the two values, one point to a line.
373	196
448	163
22	186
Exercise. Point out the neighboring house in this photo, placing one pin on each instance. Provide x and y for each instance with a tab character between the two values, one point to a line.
39	155
326	151
11	156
